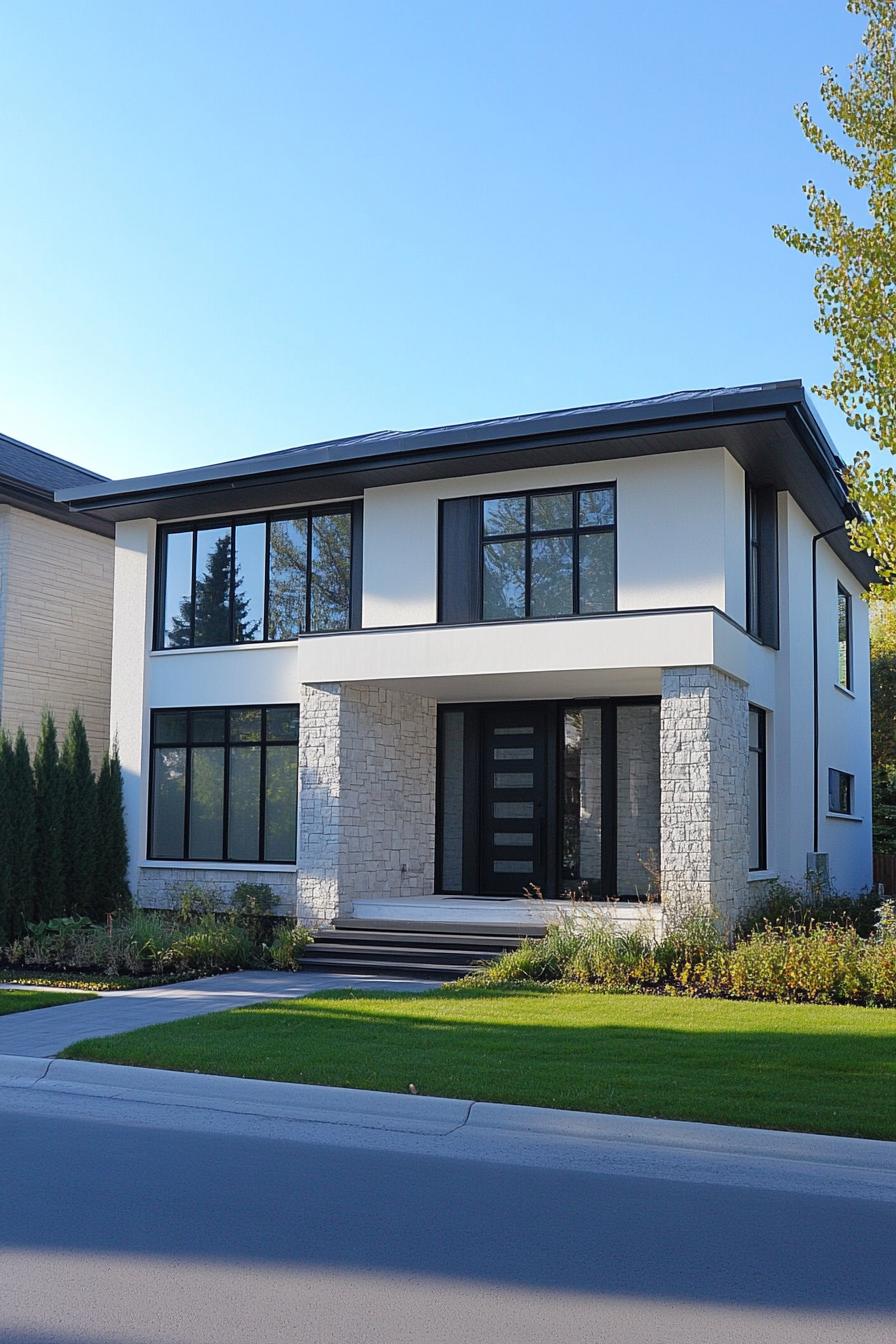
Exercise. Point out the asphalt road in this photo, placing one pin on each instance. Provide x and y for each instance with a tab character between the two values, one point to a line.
133	1230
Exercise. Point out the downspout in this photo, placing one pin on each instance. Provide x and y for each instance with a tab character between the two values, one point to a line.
816	785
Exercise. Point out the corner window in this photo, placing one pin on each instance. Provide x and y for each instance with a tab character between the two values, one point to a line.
550	553
840	792
844	638
762	564
758	811
255	578
223	785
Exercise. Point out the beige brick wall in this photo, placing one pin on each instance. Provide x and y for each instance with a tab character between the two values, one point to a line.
55	624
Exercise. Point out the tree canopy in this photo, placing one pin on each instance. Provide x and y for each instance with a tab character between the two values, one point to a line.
855	283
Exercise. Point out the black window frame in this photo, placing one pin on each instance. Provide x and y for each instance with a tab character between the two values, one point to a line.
754	562
760	750
840	776
528	535
353	508
845	644
558	884
188	744
761	620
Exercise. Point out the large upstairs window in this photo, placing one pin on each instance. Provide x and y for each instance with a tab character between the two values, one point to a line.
550	553
255	578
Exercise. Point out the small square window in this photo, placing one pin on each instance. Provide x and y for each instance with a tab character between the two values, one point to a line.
840	792
170	728
597	508
504	517
282	724
245	725
552	513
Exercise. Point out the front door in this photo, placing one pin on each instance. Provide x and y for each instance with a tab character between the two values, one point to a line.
514	800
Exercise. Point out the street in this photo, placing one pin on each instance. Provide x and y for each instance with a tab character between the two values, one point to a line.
145	1226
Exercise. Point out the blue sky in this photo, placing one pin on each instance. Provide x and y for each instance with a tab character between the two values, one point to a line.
228	228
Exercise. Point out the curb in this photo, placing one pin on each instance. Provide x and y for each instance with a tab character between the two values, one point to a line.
440	1116
302	1102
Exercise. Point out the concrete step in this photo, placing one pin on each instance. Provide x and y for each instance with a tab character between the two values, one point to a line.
417	970
500	932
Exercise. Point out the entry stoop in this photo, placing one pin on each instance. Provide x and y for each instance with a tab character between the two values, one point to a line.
421	950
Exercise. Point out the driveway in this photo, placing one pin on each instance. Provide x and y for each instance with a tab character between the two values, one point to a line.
46	1031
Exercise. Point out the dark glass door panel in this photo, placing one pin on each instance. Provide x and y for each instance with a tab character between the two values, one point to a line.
514	800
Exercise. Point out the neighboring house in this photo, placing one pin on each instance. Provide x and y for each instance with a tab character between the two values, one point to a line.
556	650
56	572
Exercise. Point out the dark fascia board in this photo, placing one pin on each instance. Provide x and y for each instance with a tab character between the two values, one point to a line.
770	428
365	448
30	499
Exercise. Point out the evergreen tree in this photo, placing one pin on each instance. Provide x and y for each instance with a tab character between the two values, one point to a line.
212	605
22	816
79	823
112	846
49	866
7	838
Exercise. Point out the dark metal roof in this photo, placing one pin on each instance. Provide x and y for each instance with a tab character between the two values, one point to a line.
771	428
29	479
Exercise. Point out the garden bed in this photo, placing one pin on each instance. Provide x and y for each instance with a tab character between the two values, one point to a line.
96	981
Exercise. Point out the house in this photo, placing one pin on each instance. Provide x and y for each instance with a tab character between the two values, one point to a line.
56	571
391	673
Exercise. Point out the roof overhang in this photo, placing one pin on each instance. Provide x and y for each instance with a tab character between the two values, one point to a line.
771	429
31	499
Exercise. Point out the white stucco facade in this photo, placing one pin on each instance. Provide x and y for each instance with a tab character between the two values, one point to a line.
677	634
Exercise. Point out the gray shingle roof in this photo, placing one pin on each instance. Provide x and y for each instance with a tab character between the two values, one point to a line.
37	470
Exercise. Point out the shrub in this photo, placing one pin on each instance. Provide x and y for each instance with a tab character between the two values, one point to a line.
288	945
210	946
194	901
252	906
818	963
789	905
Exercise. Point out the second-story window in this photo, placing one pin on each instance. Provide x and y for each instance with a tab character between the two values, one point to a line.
762	564
844	638
255	578
549	553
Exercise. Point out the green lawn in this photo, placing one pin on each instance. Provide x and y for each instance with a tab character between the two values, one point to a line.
21	1000
780	1066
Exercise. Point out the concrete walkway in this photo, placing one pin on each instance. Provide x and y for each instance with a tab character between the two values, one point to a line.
45	1031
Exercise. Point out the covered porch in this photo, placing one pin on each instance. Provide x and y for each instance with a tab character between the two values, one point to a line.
488	809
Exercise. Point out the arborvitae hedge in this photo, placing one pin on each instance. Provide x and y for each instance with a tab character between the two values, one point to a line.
112	845
79	825
49	799
24	828
63	849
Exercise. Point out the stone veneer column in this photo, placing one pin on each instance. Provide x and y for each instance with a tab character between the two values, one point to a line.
367	771
704	838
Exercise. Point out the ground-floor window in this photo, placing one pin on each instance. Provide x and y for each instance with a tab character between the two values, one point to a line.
558	798
757	790
223	784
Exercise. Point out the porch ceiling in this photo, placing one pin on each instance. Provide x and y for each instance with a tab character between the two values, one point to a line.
541	685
